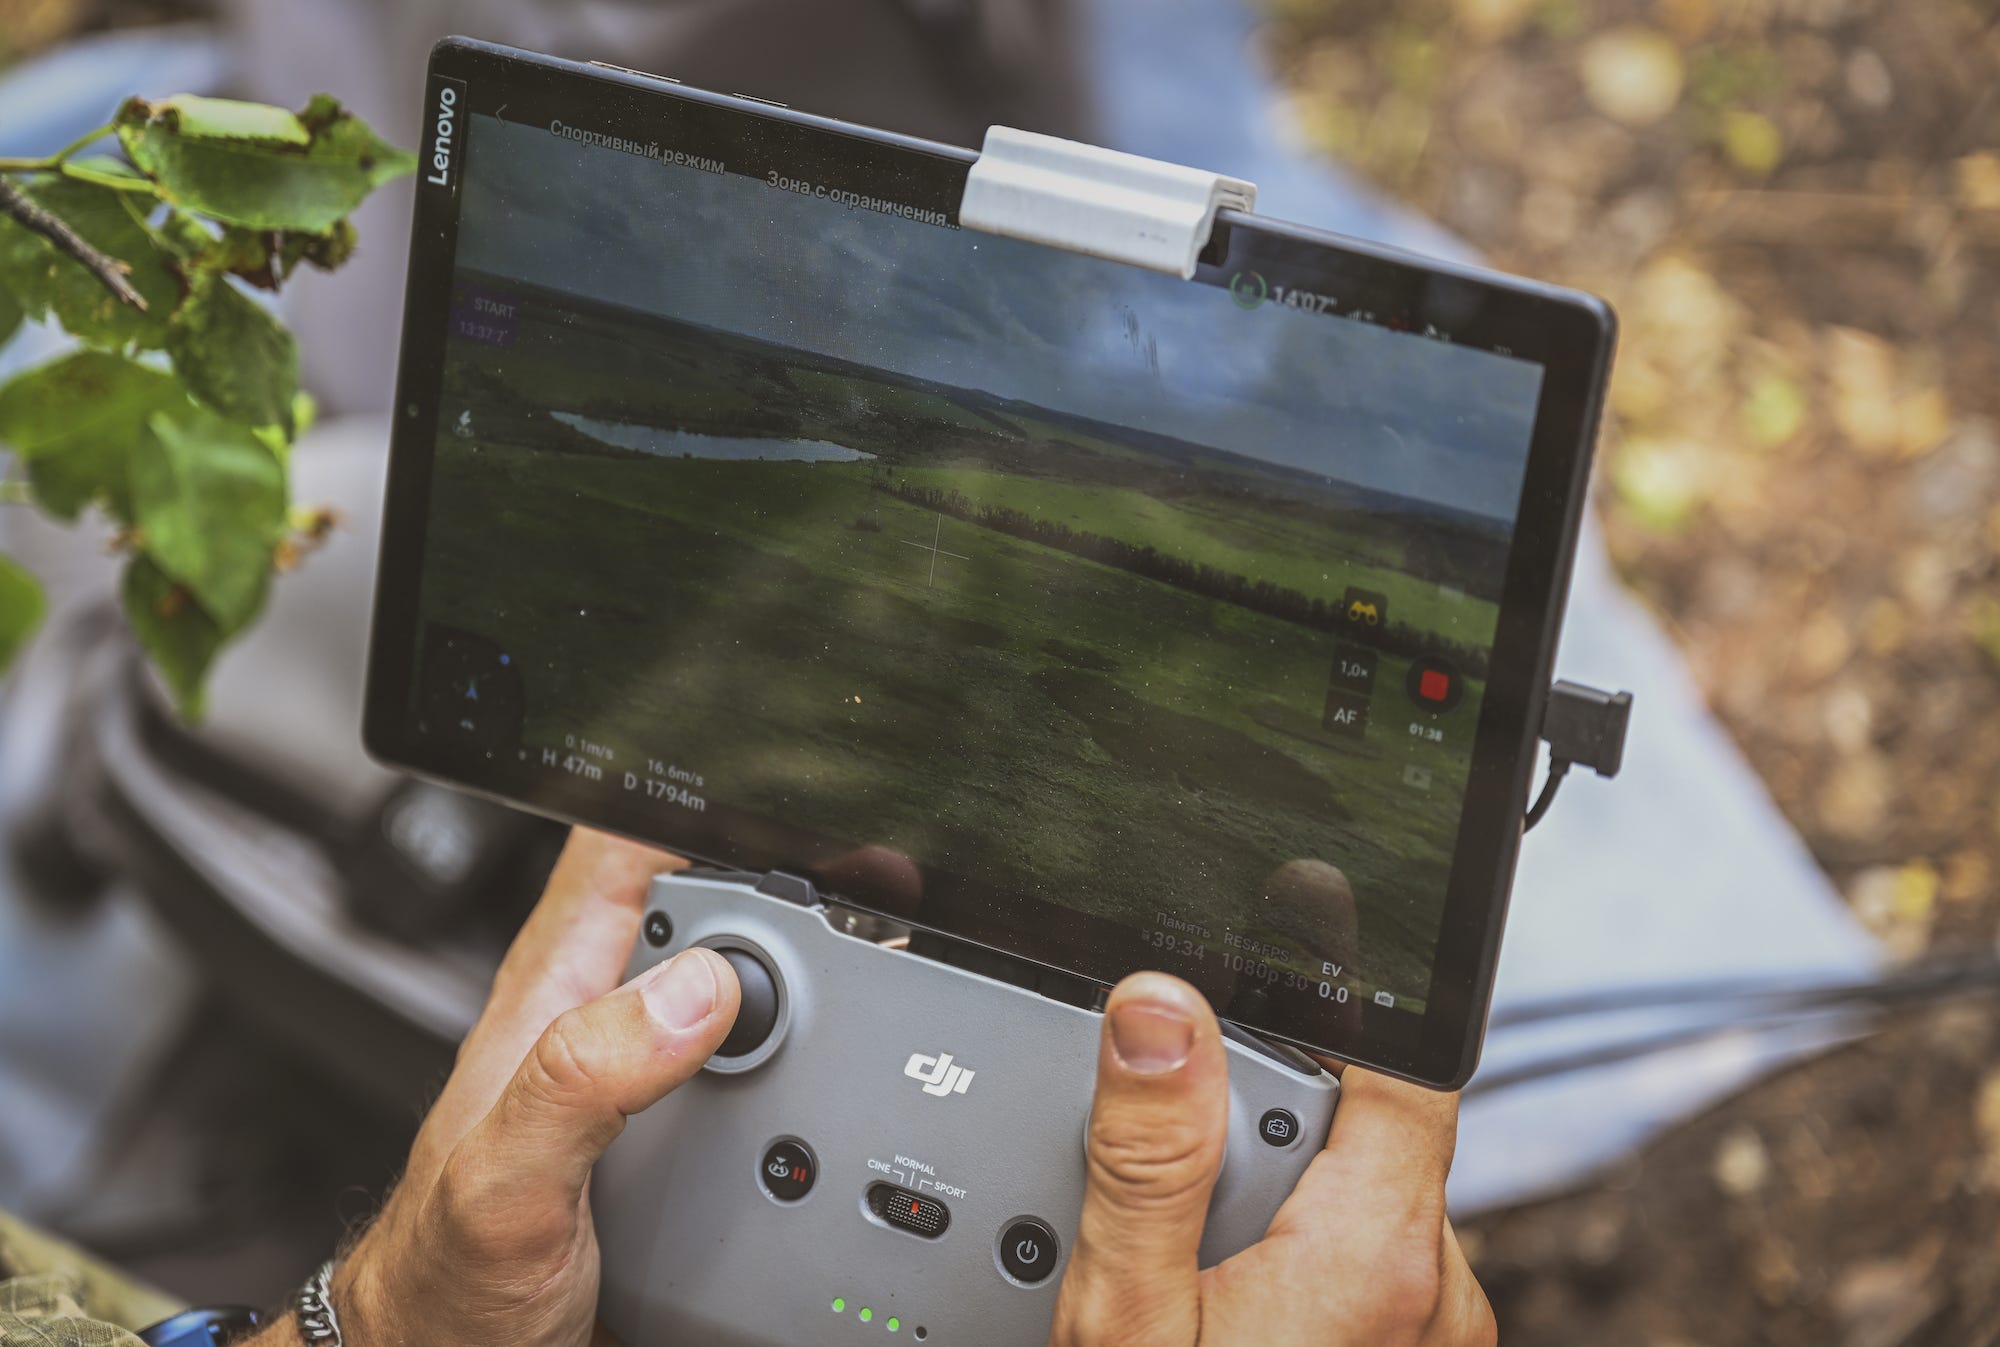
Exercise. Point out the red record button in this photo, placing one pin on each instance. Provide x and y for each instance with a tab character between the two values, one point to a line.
1434	685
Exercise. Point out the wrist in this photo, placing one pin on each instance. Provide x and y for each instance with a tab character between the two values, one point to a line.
351	1291
283	1333
371	1314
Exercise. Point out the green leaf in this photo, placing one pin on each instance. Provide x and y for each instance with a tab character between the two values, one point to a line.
105	171
249	253
304	412
181	638
186	236
10	315
45	281
266	258
223	119
210	504
266	169
233	355
21	608
326	251
77	422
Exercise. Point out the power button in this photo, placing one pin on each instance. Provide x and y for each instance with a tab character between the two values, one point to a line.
1028	1250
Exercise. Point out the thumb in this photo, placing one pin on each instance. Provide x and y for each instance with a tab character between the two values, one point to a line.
1156	1138
592	1068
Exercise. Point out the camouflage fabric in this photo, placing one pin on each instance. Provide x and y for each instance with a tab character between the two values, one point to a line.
41	1310
54	1295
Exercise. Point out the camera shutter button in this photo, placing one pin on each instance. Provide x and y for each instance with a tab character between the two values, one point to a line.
1278	1127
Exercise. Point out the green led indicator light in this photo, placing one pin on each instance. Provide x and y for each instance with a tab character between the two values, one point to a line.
866	1314
839	1304
895	1324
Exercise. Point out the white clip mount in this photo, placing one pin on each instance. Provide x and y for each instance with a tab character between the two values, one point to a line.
1097	201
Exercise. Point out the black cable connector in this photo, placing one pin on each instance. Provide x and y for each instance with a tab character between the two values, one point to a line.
1581	725
1586	725
1558	769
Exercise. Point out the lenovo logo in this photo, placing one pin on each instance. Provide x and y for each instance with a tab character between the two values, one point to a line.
447	131
937	1073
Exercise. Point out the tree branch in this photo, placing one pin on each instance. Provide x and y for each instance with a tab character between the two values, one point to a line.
109	271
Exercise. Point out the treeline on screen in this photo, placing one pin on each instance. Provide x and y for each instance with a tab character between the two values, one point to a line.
1195	577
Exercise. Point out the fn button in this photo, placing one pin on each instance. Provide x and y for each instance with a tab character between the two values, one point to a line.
1028	1251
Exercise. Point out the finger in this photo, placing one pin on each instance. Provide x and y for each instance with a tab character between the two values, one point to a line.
882	877
1155	1146
1317	897
1382	1116
1465	1316
580	933
526	1162
1364	1238
572	949
1386	1159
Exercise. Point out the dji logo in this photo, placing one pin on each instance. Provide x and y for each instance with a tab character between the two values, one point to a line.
939	1076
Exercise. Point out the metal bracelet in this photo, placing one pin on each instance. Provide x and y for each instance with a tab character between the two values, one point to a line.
317	1321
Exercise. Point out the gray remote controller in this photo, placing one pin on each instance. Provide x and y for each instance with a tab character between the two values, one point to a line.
887	1148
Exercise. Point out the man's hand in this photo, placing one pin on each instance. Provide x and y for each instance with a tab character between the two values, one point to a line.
1361	1253
487	1240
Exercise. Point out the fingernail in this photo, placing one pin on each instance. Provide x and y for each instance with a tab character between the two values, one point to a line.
1150	1038
682	993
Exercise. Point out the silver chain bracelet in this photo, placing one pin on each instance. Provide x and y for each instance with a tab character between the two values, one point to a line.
317	1321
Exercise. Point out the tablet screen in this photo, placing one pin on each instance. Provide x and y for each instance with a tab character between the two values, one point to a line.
1106	618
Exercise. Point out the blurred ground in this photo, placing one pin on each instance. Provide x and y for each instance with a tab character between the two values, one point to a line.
1795	207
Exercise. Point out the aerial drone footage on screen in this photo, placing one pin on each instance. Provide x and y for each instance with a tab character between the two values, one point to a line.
981	593
1074	609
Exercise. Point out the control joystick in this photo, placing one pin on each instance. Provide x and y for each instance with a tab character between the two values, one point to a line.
884	1143
757	1014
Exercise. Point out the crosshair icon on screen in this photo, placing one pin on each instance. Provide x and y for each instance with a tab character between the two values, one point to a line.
936	549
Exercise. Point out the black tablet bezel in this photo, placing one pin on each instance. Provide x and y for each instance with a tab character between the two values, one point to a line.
1569	334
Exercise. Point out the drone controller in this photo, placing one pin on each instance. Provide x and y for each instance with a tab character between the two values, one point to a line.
885	1147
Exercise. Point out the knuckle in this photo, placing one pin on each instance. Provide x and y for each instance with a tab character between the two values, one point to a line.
1097	1315
1405	1300
475	1214
1157	1160
1412	1290
461	1206
560	1061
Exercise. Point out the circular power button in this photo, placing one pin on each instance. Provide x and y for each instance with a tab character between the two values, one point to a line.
1028	1250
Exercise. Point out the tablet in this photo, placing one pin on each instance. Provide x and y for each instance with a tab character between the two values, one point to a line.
743	502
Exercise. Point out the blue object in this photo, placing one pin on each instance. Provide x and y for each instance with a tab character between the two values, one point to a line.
202	1327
